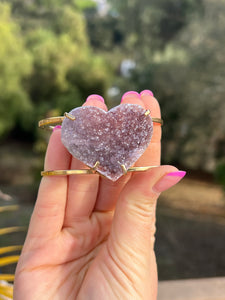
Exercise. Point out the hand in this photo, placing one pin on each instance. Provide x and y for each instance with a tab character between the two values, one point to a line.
89	237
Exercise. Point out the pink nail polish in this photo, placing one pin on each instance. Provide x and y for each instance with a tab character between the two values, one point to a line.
147	92
57	127
95	97
168	180
178	173
130	94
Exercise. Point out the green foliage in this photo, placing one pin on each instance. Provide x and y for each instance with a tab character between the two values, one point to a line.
220	173
63	74
15	66
71	22
202	118
85	4
104	32
46	62
150	25
53	56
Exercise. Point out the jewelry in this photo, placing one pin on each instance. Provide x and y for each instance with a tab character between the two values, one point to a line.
90	171
50	123
109	143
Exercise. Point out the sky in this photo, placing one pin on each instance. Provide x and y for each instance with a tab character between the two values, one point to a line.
103	6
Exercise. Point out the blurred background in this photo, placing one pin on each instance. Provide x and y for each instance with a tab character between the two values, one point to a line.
54	53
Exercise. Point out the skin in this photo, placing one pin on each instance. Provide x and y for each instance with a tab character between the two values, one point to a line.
89	237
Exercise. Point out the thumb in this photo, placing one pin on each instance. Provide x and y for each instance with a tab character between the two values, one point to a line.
131	239
135	210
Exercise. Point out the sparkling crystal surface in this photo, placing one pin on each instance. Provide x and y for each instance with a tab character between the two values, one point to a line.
114	138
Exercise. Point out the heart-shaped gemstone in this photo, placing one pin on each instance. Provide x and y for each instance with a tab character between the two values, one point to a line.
114	138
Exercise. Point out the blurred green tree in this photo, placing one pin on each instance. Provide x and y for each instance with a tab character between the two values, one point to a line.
15	66
188	77
149	26
63	70
204	42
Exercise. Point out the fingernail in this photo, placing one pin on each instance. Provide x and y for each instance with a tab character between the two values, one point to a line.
95	97
147	93
168	180
57	127
129	95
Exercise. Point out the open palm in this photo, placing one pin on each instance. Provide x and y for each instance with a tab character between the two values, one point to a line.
89	237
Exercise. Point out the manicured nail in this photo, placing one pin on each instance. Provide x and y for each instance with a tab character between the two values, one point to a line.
168	180
147	93
57	127
131	94
95	97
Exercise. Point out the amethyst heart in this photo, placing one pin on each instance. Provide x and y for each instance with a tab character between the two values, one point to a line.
114	138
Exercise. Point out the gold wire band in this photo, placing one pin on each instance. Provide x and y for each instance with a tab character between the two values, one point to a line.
50	123
89	171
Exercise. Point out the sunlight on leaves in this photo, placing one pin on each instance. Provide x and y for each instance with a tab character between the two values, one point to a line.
4	250
11	229
6	289
8	260
8	208
7	277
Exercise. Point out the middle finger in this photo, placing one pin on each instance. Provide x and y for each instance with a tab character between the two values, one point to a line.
109	190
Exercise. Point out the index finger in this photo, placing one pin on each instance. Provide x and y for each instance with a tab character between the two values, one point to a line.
48	215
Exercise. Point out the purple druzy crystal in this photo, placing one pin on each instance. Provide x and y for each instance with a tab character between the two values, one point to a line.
114	138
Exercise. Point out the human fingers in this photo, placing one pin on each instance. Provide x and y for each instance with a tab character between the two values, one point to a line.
130	243
109	190
82	189
48	215
152	155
